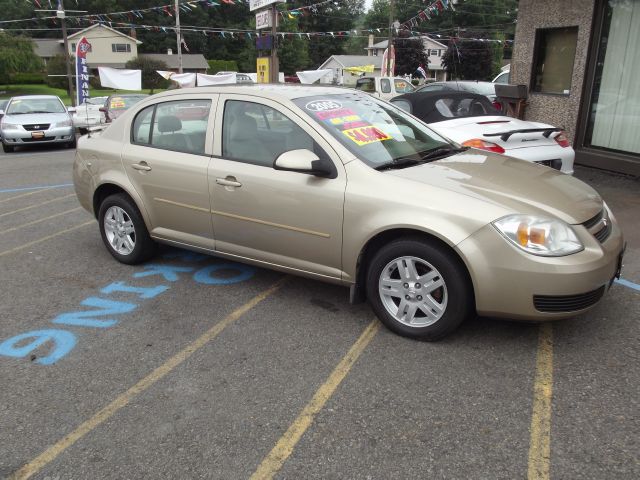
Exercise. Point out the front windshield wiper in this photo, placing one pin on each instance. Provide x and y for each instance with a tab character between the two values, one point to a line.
441	152
43	111
428	156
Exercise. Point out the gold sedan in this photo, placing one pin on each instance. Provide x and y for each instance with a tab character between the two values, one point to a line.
336	185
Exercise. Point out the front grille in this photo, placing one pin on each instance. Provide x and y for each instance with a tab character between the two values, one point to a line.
42	139
567	303
593	221
556	163
36	127
599	226
604	233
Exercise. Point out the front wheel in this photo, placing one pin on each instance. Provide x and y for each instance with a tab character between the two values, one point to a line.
418	289
123	230
7	148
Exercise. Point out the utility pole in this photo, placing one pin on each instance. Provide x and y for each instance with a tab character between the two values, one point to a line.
60	13
390	39
179	37
275	66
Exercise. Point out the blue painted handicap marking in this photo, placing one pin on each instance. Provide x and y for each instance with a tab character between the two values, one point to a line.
63	343
628	284
105	312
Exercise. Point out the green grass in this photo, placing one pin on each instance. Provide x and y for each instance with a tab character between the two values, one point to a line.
7	91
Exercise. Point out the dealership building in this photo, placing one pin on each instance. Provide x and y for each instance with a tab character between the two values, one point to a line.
581	62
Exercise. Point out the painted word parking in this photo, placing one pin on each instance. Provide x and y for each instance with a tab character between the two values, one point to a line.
106	311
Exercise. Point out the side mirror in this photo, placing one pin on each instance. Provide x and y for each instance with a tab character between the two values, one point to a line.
305	161
1	112
103	109
71	109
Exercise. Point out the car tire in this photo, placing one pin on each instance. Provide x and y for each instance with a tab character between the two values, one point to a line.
418	289
73	143
123	230
7	148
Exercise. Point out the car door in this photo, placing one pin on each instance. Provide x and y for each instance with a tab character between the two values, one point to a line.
277	217
167	161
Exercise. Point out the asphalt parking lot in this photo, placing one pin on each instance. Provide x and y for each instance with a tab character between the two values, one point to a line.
193	367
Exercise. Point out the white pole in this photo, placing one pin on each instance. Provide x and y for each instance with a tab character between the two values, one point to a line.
179	37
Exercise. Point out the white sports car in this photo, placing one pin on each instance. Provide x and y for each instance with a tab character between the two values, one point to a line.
472	121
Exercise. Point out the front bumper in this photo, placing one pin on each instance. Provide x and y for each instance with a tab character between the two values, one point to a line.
511	283
21	137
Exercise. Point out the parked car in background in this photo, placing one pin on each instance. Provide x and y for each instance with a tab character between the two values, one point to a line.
240	77
504	76
36	119
472	121
487	89
337	185
89	114
116	105
384	87
3	107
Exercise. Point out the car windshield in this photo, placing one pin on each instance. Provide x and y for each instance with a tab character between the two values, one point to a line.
123	103
375	131
20	106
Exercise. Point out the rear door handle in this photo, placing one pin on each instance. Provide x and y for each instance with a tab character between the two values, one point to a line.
228	182
141	166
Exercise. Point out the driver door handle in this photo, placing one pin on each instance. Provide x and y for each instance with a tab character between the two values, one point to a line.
228	182
143	166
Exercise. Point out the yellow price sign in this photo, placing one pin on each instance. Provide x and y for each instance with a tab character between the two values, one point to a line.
366	135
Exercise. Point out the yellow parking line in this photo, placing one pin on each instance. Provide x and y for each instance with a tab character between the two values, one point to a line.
44	239
37	205
540	443
23	195
273	462
13	229
122	400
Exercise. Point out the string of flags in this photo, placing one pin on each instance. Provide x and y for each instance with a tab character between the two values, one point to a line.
433	10
168	10
306	10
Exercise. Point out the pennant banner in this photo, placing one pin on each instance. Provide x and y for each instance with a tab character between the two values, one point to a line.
82	71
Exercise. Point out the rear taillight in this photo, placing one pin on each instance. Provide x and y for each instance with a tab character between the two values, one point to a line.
498	105
562	140
483	145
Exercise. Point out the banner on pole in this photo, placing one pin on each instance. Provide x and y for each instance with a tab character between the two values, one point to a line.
82	71
121	79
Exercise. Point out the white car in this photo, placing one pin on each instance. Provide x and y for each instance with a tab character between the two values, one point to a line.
473	121
88	114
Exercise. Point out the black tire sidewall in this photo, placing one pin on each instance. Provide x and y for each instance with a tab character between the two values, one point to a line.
459	291
144	247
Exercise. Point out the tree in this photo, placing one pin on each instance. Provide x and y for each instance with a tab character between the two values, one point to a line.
469	59
410	54
57	71
149	67
17	56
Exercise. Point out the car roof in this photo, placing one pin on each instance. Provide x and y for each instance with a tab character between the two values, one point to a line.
43	97
266	90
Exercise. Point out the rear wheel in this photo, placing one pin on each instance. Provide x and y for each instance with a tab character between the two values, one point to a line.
123	230
418	289
72	144
7	148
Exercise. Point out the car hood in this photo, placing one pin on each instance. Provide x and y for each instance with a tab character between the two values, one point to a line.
36	118
517	185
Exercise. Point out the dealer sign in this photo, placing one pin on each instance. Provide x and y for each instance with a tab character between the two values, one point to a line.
256	4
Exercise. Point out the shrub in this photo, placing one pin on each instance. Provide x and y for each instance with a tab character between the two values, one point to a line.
56	66
150	78
27	78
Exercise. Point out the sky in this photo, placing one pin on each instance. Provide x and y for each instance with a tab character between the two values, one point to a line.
367	4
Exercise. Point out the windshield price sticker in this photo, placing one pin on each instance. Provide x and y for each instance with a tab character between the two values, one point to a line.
117	103
342	112
366	135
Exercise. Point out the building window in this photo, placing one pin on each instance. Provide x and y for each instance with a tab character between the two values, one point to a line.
614	111
73	47
121	47
553	57
435	53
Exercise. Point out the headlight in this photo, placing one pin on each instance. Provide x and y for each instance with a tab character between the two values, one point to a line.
65	123
539	236
8	126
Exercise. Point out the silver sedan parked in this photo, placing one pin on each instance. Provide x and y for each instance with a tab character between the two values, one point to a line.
36	119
